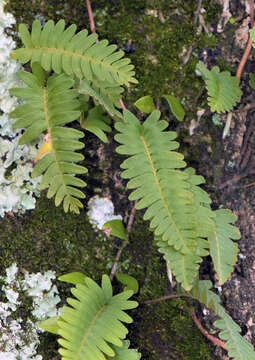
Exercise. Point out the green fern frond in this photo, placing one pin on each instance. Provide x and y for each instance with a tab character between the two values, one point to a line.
124	353
60	49
91	327
48	109
238	347
112	92
96	123
101	97
222	249
166	192
223	90
150	167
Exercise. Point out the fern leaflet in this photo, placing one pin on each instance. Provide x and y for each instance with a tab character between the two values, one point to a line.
60	49
223	90
101	96
222	249
49	108
96	123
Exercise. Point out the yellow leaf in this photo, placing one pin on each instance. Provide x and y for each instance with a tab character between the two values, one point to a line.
45	148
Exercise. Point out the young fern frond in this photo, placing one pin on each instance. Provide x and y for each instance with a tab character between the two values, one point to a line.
238	347
48	108
124	353
91	326
60	49
103	96
222	249
223	90
165	191
97	123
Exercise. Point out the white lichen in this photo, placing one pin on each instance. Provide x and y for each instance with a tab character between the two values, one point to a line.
100	211
19	338
17	189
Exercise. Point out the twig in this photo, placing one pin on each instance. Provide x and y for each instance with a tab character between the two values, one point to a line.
252	13
115	265
249	45
122	104
213	339
91	18
187	57
236	178
163	298
246	108
124	244
199	3
93	29
198	96
232	180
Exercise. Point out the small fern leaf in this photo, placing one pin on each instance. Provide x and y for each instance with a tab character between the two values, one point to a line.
97	123
124	353
222	249
238	347
59	49
100	98
91	327
48	109
223	90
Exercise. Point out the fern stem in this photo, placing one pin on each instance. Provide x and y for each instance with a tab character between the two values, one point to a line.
93	29
166	297
249	45
122	105
91	18
124	244
213	339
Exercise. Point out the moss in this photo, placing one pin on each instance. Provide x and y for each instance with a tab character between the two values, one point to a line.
48	238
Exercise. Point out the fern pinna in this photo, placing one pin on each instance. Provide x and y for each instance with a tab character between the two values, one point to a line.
48	108
91	326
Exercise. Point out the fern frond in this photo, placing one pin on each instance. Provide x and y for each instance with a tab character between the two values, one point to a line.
96	123
166	192
124	353
91	326
60	49
223	90
48	109
222	249
101	97
238	347
152	164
